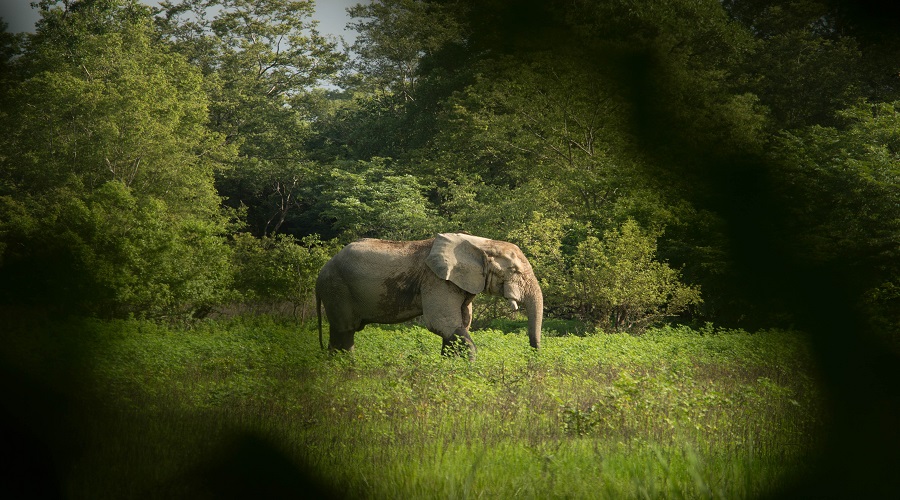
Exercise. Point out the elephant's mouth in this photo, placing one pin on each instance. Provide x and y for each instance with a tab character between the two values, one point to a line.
512	294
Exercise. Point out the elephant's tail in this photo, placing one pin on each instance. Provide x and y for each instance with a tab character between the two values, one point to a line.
319	316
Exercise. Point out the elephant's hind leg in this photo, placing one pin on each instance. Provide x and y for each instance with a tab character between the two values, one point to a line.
342	326
341	340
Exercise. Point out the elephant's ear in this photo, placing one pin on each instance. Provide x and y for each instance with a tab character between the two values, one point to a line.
453	257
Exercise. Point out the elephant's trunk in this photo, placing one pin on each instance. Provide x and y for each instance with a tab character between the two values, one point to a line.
534	303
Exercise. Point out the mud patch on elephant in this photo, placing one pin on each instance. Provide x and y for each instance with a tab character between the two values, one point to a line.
402	296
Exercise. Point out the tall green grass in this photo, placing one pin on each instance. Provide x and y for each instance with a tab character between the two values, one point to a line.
675	412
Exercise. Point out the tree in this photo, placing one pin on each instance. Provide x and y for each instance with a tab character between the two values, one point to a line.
844	184
367	199
262	60
543	118
394	37
389	96
107	174
9	49
812	58
602	105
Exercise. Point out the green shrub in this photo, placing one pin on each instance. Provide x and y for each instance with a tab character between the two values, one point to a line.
111	253
541	239
279	269
620	284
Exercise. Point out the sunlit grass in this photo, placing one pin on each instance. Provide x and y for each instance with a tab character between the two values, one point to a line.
674	412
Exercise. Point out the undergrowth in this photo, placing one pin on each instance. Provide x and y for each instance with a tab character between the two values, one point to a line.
175	412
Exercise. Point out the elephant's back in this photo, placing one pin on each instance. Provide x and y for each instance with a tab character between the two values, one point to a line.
390	248
371	258
387	252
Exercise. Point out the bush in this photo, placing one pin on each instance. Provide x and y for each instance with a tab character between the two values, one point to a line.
620	284
279	269
111	253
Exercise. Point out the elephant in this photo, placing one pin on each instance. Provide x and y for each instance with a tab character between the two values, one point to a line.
381	281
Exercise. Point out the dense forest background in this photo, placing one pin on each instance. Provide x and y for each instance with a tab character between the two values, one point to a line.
727	161
724	161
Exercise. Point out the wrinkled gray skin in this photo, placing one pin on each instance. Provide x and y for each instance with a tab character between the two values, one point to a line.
378	281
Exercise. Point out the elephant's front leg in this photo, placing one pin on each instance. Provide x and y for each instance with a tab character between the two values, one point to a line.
457	345
461	341
449	315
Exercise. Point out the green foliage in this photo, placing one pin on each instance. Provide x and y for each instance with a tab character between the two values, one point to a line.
261	60
107	174
273	270
805	63
677	412
113	106
154	261
393	37
540	119
366	199
542	238
541	123
857	168
846	183
622	286
112	253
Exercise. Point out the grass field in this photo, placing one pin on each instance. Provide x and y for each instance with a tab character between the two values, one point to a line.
253	405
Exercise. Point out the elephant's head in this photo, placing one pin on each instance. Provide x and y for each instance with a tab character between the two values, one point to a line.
496	267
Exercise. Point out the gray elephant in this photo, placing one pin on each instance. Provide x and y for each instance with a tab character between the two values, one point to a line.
379	281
